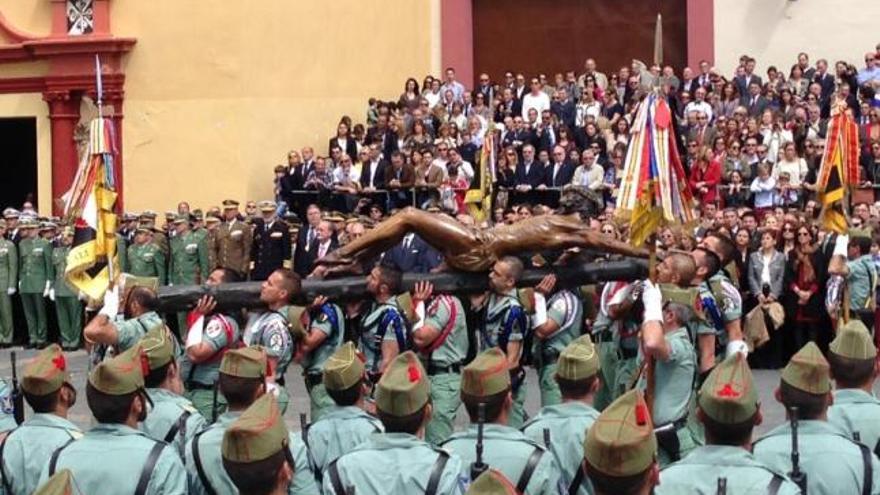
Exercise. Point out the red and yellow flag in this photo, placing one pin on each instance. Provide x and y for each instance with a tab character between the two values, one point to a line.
839	170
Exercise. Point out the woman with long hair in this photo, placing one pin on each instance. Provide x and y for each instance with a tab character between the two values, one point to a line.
766	278
804	298
729	100
797	83
410	97
344	140
705	177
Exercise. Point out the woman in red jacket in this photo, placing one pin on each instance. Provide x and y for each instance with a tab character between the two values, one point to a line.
705	177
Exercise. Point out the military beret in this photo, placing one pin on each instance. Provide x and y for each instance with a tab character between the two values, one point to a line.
267	206
343	368
728	395
688	297
123	374
859	232
621	441
808	371
247	362
229	204
158	346
579	360
854	342
404	387
46	372
492	482
61	483
488	374
257	434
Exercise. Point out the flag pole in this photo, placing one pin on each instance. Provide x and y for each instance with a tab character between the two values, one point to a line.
99	87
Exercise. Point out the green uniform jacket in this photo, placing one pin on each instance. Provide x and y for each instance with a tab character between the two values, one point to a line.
270	331
340	430
35	265
109	460
168	408
189	260
700	470
832	461
507	450
29	448
130	331
216	336
857	411
147	260
59	264
8	265
232	243
568	424
212	464
395	463
321	322
454	349
370	328
862	280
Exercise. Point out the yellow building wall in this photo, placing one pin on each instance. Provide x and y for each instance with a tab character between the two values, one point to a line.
32	105
775	31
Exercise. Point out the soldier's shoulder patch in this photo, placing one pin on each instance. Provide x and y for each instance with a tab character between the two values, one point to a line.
276	342
214	329
322	317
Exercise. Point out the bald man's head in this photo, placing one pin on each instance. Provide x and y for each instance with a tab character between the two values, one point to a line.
678	269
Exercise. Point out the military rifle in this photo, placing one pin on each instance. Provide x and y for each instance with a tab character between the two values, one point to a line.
17	397
214	408
479	467
796	475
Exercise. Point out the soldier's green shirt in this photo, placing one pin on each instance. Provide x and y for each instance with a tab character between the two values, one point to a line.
395	463
373	323
8	265
722	303
507	450
832	461
567	311
189	259
322	322
269	330
861	279
59	263
168	409
568	424
438	314
699	471
340	430
857	411
130	331
212	463
501	311
147	260
29	448
35	265
218	337
109	460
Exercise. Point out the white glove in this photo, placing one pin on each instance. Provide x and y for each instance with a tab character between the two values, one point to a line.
540	316
840	245
273	388
10	291
737	346
420	315
52	295
652	299
47	288
111	304
196	332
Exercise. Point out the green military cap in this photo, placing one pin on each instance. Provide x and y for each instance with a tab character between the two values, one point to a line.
344	368
621	442
11	213
728	395
182	218
492	482
46	372
47	226
212	219
859	232
27	223
122	374
257	434
854	342
267	206
579	360
158	347
247	362
170	215
230	204
404	387
143	228
198	214
334	216
487	374
407	308
808	371
674	294
147	215
61	483
128	217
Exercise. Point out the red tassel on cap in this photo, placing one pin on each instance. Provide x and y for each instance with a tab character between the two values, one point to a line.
414	373
728	391
145	364
60	362
641	414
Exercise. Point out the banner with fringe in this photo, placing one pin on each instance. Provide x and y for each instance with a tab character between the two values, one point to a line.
479	198
839	170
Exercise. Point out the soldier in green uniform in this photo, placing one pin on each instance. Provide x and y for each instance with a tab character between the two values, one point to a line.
210	335
67	305
665	339
346	424
212	223
557	321
35	279
504	325
148	219
408	463
624	310
729	410
565	425
833	463
486	380
172	418
605	338
110	330
620	451
326	330
8	284
255	450
146	259
233	240
861	275
492	482
113	458
853	361
242	381
188	264
48	390
442	341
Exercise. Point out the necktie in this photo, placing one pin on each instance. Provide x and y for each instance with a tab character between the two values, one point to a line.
322	250
311	234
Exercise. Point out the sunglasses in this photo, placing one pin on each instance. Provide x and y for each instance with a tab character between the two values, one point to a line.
803	234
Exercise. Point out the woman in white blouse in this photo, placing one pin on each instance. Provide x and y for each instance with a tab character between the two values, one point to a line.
791	163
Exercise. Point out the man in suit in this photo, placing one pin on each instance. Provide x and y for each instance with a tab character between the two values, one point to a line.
373	171
702	133
754	102
399	180
323	244
506	107
382	135
705	77
560	172
744	81
304	239
519	92
485	88
689	83
232	245
520	136
823	79
804	63
308	161
413	255
271	246
529	172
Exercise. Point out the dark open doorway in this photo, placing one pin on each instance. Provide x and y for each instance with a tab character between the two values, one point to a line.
18	161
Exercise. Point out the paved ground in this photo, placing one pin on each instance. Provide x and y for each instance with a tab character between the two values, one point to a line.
766	382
